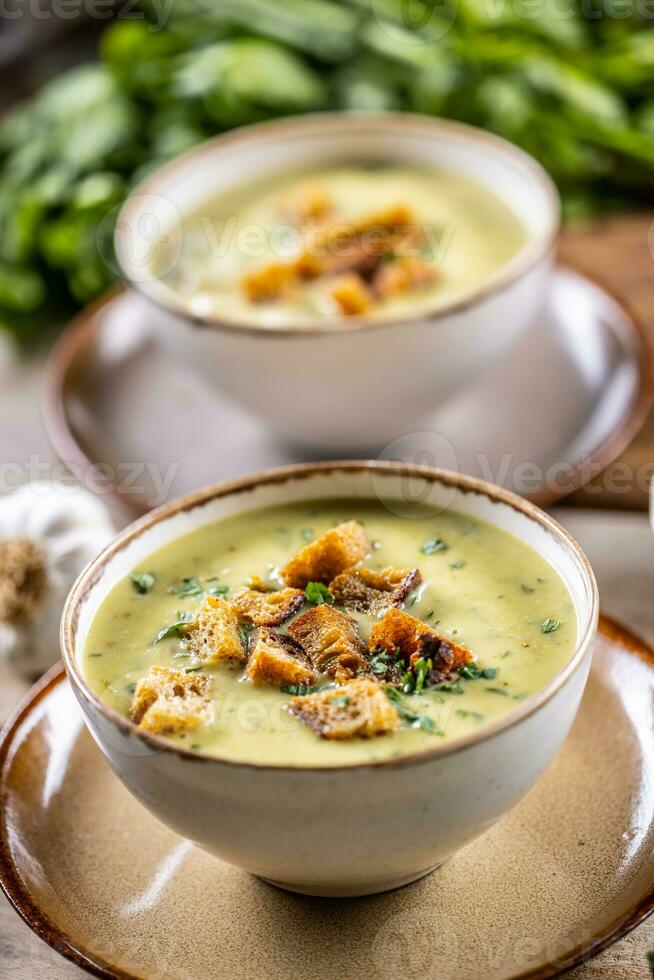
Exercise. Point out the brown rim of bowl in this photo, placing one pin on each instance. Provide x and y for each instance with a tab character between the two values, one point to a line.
303	471
64	354
535	249
21	900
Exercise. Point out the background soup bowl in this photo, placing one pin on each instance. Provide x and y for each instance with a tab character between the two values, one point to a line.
338	384
347	830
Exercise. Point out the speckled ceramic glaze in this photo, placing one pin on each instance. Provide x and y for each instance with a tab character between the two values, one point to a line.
569	870
351	830
291	378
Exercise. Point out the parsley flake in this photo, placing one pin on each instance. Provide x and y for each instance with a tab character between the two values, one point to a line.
318	594
143	581
433	545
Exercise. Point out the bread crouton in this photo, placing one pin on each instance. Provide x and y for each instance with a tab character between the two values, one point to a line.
373	592
305	202
267	608
278	659
414	639
402	274
213	634
332	553
352	296
331	641
274	281
167	700
358	708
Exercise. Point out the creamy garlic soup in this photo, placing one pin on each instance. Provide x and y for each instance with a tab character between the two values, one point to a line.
471	622
380	241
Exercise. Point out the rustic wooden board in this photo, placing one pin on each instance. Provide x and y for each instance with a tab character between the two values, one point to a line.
619	252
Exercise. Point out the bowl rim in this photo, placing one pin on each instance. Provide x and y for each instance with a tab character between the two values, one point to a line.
198	498
535	248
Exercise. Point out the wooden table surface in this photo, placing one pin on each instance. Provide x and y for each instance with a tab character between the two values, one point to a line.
620	546
619	253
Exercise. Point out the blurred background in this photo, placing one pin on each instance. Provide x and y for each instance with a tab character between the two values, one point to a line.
97	93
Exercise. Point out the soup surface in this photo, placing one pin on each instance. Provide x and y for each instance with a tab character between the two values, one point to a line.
481	589
382	241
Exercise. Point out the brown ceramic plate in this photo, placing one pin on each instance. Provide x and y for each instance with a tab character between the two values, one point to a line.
130	420
565	874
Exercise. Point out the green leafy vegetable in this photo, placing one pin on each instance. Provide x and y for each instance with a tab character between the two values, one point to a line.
550	625
318	594
143	581
341	701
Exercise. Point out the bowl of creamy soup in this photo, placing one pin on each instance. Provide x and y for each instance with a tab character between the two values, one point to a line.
333	675
301	262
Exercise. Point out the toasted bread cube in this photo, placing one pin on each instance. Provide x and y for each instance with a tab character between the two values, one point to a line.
332	553
398	631
275	281
358	708
365	590
332	642
392	218
213	634
352	295
278	659
267	608
308	201
167	700
402	274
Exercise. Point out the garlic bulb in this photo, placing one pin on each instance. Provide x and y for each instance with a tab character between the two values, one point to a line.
48	533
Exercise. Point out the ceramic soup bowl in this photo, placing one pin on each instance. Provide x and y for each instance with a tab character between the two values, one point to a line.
350	830
336	384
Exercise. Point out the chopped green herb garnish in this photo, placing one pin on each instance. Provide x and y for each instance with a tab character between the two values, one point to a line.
421	670
188	587
504	654
550	625
393	694
474	672
307	534
527	589
341	701
195	745
318	594
650	960
458	564
173	629
143	581
408	682
450	687
130	688
379	664
95	654
192	670
298	690
414	720
245	631
462	713
433	545
498	690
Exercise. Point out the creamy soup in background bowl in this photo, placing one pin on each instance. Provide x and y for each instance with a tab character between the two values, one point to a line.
294	669
308	264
